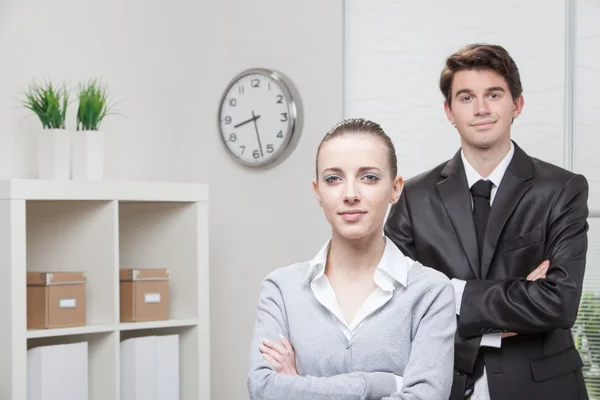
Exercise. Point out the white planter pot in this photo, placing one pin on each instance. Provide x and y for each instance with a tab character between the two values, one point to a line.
88	155
54	154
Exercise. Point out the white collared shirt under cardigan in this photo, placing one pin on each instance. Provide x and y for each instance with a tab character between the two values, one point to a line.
400	344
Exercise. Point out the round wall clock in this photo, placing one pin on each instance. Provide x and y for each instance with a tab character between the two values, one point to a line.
260	117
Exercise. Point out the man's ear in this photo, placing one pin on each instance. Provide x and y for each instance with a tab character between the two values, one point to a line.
449	113
518	106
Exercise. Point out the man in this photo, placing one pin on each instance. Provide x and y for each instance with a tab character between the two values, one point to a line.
487	218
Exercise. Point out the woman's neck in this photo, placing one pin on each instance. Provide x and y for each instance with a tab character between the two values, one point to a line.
353	258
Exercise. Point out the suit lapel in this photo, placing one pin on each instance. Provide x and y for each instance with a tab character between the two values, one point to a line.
454	193
515	183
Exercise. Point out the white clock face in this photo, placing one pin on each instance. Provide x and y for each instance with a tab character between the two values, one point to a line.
257	119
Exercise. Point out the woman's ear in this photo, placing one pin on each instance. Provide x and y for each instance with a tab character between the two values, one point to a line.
316	190
397	189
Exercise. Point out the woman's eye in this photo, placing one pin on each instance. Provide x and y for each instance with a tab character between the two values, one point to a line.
371	177
332	178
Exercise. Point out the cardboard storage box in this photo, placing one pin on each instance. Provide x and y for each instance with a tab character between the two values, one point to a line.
144	295
55	300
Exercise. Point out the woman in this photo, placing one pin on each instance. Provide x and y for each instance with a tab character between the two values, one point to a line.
360	320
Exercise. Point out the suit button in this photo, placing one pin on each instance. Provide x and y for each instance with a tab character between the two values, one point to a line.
459	373
347	346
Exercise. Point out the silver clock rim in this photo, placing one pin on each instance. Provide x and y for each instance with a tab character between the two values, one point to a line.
294	111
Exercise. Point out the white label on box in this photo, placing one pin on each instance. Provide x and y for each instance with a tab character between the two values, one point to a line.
152	297
67	303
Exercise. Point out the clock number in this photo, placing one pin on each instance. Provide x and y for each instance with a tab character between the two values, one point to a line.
227	120
284	117
241	89
243	148
255	83
280	134
279	99
232	102
255	154
270	148
232	137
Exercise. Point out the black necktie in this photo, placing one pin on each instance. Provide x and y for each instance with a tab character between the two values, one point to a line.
480	192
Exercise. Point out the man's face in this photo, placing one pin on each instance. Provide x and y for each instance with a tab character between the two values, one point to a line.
482	108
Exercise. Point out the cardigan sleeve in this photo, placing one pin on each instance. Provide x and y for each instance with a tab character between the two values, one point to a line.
430	368
264	383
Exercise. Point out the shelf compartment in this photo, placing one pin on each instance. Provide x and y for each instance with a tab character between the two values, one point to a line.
193	378
77	236
102	360
157	235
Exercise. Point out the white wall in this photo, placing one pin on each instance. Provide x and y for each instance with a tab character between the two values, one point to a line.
586	99
168	63
261	220
142	50
395	51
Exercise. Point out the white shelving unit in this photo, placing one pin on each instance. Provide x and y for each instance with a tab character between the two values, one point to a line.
100	227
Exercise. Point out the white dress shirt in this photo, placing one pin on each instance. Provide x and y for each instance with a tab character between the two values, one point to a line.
391	270
481	390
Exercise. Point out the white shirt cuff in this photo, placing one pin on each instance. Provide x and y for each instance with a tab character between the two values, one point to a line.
459	288
399	382
491	340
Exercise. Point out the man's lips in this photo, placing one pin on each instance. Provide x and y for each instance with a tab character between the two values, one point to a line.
483	123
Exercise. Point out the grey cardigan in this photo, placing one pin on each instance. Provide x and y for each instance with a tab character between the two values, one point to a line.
411	336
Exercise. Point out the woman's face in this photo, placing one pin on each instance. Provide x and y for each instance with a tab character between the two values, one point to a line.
354	185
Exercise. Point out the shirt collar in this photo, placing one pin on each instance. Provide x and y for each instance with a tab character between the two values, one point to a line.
393	266
496	175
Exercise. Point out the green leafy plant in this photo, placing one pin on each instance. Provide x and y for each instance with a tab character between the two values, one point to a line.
49	102
93	105
586	333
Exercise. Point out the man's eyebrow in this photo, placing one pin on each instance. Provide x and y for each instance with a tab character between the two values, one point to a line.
461	91
490	89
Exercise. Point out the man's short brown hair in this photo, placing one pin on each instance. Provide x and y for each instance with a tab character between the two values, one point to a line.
480	56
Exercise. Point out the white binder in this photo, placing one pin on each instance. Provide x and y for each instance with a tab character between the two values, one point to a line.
58	372
150	368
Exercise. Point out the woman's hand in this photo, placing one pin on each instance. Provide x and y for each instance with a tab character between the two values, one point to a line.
281	357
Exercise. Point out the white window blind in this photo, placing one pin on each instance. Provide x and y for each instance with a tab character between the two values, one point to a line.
587	327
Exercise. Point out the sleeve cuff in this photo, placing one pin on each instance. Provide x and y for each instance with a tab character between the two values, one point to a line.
491	340
459	288
399	382
379	384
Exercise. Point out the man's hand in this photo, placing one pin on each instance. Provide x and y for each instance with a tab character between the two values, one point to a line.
538	273
281	357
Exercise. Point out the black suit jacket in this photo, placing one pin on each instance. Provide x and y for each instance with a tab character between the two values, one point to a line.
539	212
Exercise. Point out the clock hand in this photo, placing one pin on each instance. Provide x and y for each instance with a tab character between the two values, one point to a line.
257	135
254	118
